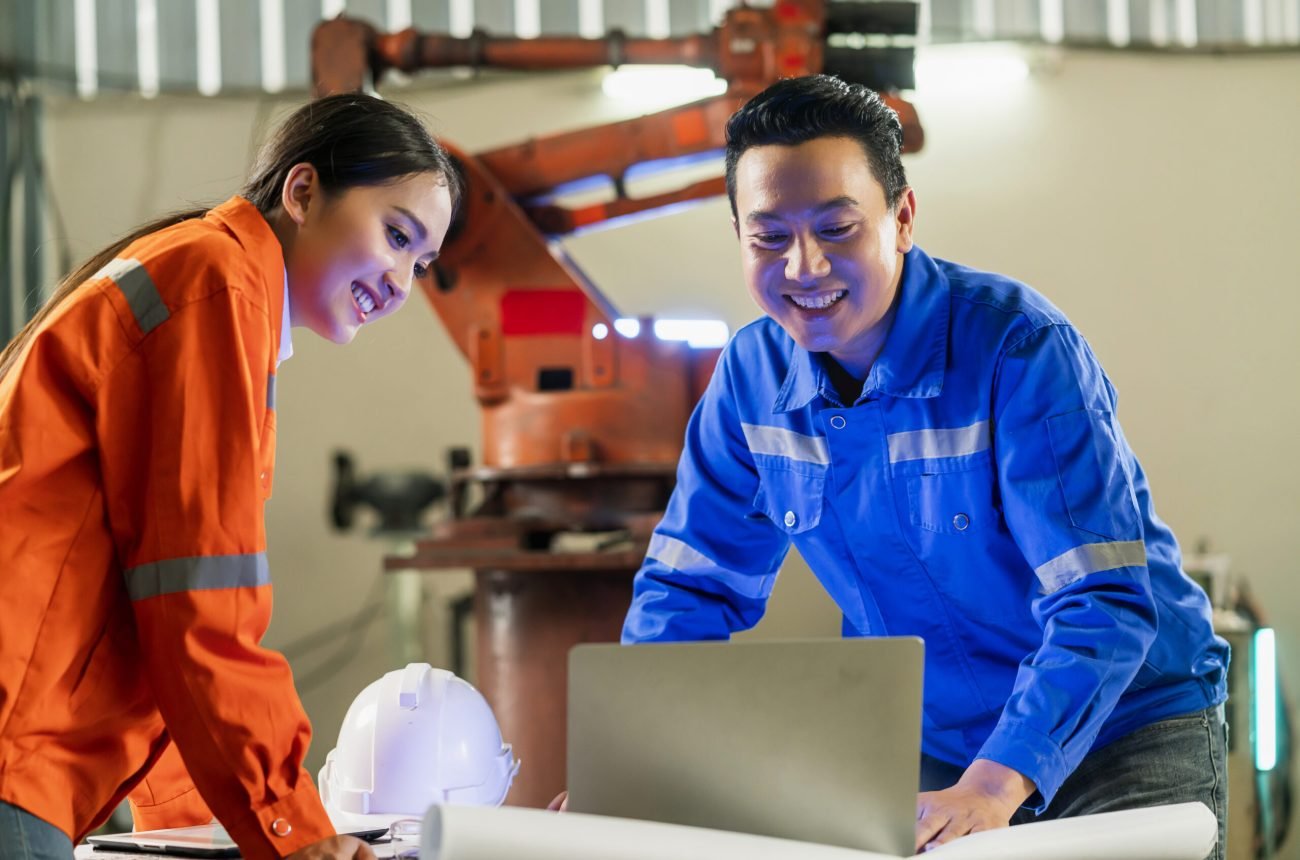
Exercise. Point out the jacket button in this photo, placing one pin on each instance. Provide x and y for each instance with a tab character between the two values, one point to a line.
961	522
790	519
280	827
838	422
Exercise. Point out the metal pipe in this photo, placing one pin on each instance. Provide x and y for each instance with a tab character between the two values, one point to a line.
7	108
33	192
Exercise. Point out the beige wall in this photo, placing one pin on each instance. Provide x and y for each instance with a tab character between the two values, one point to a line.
1155	199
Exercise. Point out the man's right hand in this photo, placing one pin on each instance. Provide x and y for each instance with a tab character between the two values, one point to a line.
560	803
335	848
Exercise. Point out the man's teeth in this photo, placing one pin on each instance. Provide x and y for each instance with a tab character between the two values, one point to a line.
816	303
364	301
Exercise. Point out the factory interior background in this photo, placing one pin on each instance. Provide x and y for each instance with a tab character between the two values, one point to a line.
1150	188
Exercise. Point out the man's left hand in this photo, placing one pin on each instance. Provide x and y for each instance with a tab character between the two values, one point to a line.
985	798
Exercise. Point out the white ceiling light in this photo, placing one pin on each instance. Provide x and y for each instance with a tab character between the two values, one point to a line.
969	67
661	86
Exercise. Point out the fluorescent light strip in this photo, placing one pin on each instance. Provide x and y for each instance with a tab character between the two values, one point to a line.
146	40
272	36
1265	654
1252	21
591	19
399	15
208	14
1291	23
1186	21
1117	24
461	13
657	21
1273	20
985	18
1159	22
528	19
87	50
923	22
696	333
332	8
1051	20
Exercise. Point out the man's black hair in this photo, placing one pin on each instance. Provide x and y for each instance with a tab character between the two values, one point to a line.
797	110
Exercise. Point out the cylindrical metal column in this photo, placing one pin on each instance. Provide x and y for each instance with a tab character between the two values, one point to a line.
527	622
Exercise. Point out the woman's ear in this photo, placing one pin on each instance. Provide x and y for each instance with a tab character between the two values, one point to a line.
301	190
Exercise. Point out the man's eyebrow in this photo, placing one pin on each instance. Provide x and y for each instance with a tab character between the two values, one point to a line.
833	203
419	225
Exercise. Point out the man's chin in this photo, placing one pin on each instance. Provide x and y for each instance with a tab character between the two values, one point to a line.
811	341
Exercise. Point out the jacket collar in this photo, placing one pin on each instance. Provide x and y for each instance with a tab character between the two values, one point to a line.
240	218
915	353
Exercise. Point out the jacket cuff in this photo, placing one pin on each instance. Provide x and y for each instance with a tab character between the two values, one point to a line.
1033	754
186	809
281	828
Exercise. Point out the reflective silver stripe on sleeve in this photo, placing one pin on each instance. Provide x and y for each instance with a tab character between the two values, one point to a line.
1073	565
197	574
928	444
138	288
780	442
270	391
684	558
678	555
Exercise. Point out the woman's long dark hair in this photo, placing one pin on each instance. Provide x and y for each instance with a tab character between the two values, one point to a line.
350	139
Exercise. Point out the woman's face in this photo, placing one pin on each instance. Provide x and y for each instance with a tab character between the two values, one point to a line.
354	256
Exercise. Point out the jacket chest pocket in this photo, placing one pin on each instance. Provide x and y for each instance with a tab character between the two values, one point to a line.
266	455
791	498
956	498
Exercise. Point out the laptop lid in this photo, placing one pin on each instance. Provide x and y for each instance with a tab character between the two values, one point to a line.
811	740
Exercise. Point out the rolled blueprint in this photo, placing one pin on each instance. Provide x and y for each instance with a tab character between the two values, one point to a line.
1184	831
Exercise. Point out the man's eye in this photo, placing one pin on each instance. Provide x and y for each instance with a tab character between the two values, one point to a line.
837	230
421	270
399	238
770	238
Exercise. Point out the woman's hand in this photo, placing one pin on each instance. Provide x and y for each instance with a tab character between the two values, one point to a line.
335	848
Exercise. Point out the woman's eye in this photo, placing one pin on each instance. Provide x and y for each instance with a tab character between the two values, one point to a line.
421	270
399	238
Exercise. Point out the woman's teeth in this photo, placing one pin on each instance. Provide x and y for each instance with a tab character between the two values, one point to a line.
821	302
364	301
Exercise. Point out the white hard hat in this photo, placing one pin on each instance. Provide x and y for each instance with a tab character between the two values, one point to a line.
415	738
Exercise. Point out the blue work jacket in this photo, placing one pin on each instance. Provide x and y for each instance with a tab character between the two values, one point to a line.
979	493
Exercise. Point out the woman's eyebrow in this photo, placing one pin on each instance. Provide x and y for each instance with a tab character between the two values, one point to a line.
419	225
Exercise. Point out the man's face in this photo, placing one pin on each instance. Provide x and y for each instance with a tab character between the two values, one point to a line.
821	250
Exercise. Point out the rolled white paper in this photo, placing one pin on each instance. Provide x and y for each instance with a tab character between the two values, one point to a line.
1185	831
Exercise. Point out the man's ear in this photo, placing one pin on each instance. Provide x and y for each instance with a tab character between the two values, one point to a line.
300	192
735	226
905	219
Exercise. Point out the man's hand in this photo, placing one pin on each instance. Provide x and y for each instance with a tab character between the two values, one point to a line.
985	798
335	848
560	803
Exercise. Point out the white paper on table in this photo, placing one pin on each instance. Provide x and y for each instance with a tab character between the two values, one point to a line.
1185	831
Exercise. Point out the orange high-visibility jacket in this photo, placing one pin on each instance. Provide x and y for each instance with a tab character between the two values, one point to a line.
137	443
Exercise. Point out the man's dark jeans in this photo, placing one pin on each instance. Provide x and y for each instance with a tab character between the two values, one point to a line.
23	836
1172	761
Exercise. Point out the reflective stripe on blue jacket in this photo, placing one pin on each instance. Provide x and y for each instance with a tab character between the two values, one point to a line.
979	494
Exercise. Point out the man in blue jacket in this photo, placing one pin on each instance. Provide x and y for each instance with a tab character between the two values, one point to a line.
941	444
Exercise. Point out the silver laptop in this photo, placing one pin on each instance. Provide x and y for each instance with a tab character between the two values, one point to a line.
813	740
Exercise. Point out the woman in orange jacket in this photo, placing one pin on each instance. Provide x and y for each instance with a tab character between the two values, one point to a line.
137	445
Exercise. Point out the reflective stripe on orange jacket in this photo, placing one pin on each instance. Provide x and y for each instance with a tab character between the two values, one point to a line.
137	440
